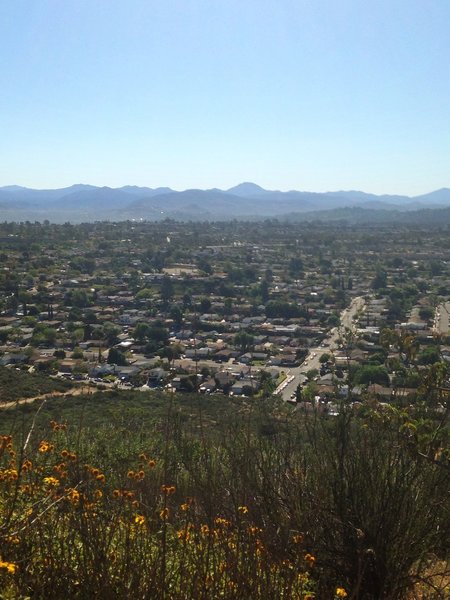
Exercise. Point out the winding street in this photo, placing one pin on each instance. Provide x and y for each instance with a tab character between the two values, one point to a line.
298	374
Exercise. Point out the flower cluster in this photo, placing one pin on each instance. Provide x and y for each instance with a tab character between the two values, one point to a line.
139	520
95	473
8	566
137	475
6	443
51	481
66	454
150	462
45	446
58	426
8	475
55	482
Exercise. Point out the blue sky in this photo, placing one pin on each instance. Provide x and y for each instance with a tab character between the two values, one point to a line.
292	94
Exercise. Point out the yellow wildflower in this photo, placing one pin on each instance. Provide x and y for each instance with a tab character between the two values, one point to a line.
12	540
164	513
310	559
253	530
11	474
74	496
183	534
10	567
51	481
45	447
341	593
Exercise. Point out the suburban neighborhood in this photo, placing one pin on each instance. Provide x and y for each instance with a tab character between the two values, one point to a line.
241	309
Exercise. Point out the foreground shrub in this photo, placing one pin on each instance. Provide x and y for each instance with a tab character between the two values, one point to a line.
355	506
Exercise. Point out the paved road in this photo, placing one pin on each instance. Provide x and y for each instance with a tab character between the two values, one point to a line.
441	318
298	374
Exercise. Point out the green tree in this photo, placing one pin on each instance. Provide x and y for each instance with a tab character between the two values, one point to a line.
380	279
295	266
167	290
311	374
177	315
77	298
110	333
228	306
267	383
159	333
205	305
141	332
43	335
426	313
77	353
429	355
244	341
333	321
367	374
116	357
264	291
310	391
171	353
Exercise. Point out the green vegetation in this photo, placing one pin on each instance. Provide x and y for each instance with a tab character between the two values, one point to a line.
16	385
123	494
371	374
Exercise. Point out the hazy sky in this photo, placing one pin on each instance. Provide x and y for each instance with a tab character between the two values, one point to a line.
308	94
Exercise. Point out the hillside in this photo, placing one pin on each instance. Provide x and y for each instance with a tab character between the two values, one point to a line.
17	385
127	484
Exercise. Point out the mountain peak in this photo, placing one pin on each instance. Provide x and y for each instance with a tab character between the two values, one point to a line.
247	188
13	188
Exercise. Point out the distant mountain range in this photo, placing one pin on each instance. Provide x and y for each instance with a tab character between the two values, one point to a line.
80	202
